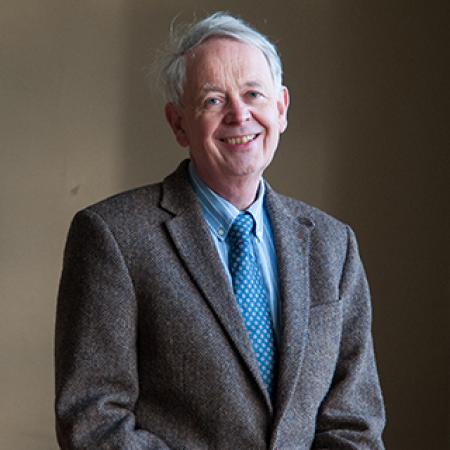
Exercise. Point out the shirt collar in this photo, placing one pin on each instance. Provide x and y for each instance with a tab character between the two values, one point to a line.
220	213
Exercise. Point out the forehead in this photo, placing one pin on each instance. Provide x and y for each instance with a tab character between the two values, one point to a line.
224	62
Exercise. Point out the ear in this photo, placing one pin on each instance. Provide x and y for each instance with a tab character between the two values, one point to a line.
283	105
174	117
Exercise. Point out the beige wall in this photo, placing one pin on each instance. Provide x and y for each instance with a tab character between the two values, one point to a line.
366	142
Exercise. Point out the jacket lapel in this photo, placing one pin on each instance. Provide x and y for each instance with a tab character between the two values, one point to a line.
192	239
291	236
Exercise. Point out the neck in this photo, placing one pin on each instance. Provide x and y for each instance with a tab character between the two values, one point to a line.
241	191
241	196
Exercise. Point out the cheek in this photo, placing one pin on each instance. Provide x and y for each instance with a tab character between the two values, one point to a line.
271	123
206	130
272	128
269	119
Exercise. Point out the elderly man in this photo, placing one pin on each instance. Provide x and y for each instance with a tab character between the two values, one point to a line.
208	311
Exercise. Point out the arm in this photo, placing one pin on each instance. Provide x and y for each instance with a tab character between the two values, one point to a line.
352	414
97	382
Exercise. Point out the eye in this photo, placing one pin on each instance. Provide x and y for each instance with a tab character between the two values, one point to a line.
255	95
212	101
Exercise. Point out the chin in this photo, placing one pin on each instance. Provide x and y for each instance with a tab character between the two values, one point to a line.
247	163
245	170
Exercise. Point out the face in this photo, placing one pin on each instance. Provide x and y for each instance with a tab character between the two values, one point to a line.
231	115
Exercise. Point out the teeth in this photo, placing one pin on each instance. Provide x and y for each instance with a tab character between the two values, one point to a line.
240	139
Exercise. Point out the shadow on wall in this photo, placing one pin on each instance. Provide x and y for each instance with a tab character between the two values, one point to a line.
364	143
388	170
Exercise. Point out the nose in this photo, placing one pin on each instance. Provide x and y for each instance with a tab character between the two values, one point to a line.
238	112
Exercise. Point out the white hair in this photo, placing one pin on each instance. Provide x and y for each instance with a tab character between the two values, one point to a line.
219	24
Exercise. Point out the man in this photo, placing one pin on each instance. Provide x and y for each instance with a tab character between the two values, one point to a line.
208	311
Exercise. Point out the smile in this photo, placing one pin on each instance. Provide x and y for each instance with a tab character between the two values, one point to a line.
236	140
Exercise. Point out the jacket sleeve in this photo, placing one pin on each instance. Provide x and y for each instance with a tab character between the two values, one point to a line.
352	414
96	373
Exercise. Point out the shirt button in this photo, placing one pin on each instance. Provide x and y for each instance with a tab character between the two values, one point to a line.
221	231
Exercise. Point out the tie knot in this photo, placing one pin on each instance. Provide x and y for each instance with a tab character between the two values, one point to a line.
241	227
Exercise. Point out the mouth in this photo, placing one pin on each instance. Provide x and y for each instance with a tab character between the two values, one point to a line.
239	140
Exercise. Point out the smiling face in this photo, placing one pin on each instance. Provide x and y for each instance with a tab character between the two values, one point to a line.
231	115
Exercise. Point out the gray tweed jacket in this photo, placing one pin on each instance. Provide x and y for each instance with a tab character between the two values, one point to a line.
152	353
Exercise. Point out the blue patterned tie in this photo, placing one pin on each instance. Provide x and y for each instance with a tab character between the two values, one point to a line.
251	295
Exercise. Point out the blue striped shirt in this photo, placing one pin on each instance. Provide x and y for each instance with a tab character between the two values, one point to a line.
220	214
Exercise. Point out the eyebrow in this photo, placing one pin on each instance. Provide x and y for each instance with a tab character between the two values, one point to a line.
208	87
255	84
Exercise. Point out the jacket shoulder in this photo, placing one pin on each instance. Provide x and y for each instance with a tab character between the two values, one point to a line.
131	205
322	221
